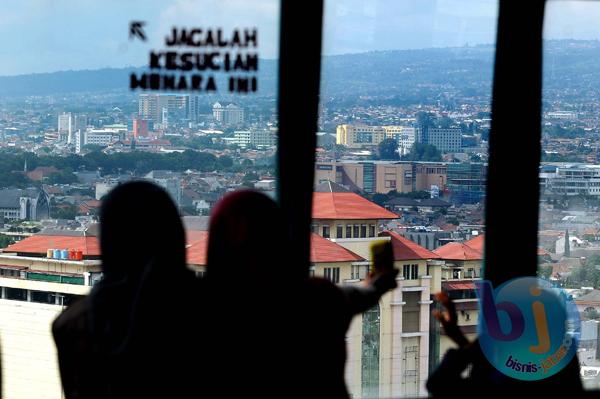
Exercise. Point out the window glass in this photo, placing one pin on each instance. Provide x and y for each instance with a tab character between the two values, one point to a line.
72	128
404	121
568	238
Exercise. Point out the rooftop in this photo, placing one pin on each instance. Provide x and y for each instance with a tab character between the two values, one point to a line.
468	250
324	251
405	249
332	201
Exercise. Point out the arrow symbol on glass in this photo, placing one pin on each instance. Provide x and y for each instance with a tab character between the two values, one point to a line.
135	30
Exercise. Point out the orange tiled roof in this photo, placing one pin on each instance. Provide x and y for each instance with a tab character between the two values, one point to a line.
323	251
476	243
334	205
458	251
39	244
197	245
405	249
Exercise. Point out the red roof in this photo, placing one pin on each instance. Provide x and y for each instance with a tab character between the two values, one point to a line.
324	251
335	205
468	250
458	251
405	249
39	244
197	245
458	286
476	243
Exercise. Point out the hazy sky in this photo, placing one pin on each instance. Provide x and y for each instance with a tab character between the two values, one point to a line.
52	35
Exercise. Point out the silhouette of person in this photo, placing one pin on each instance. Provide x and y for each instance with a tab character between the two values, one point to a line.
246	280
326	310
273	333
132	335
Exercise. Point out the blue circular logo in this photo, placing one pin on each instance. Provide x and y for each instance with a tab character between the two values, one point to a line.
528	329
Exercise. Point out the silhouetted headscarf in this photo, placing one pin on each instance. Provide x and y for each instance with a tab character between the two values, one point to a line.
247	240
142	242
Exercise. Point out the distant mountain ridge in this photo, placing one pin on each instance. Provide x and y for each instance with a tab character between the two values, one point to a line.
467	70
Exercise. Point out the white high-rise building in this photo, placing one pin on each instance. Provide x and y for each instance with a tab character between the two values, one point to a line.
230	115
65	126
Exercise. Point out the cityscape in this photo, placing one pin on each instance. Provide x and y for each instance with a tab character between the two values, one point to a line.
402	152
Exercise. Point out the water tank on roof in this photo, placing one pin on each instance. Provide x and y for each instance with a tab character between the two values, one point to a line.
64	254
56	254
50	253
72	254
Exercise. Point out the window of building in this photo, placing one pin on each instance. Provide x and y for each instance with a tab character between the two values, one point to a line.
13	273
360	272
43	297
325	231
339	231
363	231
16	294
371	230
348	231
414	272
332	274
356	231
370	353
406	272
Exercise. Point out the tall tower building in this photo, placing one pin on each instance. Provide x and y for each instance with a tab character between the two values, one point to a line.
65	126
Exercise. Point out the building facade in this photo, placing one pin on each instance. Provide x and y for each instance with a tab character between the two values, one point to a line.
229	115
24	204
357	136
383	176
466	182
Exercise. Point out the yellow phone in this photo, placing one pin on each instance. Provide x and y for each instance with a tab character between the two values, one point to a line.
382	255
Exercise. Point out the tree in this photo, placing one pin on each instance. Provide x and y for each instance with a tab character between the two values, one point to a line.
388	149
64	212
5	241
423	152
62	177
225	161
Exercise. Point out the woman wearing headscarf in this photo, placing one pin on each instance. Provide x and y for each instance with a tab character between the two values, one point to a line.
273	332
131	336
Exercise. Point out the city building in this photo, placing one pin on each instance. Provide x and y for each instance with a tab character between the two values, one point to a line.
445	139
404	136
65	127
80	122
573	179
383	176
229	115
466	182
140	128
34	289
24	204
462	266
357	136
163	108
339	213
254	138
102	137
